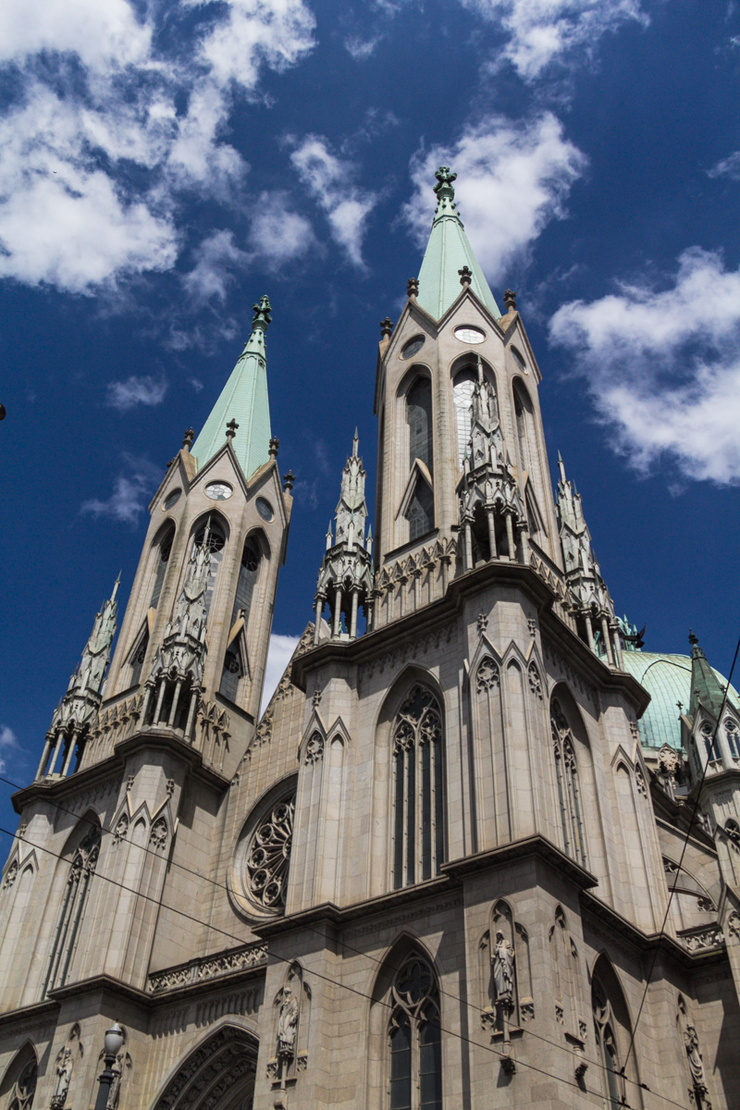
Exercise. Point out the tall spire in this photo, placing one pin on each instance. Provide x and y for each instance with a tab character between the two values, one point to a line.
243	400
706	688
447	256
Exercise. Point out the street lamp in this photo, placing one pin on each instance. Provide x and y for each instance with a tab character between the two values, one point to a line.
113	1043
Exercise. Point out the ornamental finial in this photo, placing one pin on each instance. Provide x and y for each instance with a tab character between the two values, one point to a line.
262	314
510	300
444	188
386	327
231	429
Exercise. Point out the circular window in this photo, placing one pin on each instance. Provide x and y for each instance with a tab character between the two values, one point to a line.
413	345
219	491
264	508
470	335
262	859
171	499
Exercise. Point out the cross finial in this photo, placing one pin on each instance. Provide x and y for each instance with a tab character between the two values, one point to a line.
273	448
412	287
189	437
466	276
386	327
693	638
262	314
443	188
288	480
231	429
510	300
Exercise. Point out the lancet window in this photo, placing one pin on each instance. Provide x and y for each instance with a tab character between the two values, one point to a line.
709	736
566	771
421	510
419	418
76	896
138	657
606	1044
234	667
462	396
524	424
164	550
418	821
414	1036
733	738
24	1088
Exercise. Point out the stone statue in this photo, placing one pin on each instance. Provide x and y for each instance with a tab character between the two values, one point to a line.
287	1023
64	1064
503	970
693	1052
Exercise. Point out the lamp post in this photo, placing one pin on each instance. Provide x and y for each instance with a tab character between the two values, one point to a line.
114	1041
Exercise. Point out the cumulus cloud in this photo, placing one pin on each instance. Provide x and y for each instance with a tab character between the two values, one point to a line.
331	181
727	167
278	232
8	745
217	257
143	390
512	180
111	123
540	32
278	656
132	492
663	366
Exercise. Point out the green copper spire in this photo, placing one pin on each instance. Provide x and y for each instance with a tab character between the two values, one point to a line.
705	686
242	412
449	258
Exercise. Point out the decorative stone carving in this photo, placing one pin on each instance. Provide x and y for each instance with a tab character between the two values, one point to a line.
535	682
159	834
697	940
10	875
209	1072
559	1014
121	830
213	967
488	677
64	1066
693	1057
503	970
314	749
482	623
640	781
121	1069
268	857
287	1023
733	927
24	1088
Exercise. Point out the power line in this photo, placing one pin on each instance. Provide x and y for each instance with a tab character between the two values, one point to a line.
334	982
683	853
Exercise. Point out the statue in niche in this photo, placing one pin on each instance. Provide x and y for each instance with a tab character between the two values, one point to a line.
64	1065
696	1065
503	971
287	1023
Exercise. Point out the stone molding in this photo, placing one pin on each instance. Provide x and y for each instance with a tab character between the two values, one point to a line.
246	958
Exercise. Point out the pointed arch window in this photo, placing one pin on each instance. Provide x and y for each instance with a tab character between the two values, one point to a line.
709	736
566	771
420	513
606	1044
418	820
234	662
462	396
733	738
164	550
524	425
137	658
415	1039
419	419
24	1089
76	897
215	543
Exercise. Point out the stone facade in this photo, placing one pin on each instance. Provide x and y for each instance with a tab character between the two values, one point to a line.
441	869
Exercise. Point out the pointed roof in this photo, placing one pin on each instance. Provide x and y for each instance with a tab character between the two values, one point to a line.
448	252
706	688
243	399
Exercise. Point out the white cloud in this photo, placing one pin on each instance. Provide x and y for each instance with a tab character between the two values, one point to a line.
331	182
361	48
212	274
132	492
512	180
143	390
727	167
663	367
277	232
278	656
541	32
92	179
8	744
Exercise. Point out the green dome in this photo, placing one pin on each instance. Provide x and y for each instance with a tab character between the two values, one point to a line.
667	678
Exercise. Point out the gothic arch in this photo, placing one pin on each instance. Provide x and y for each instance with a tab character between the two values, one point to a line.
575	789
407	955
18	1085
612	1024
218	1074
70	896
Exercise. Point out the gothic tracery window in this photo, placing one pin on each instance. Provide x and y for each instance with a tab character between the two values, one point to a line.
566	771
24	1088
418	826
76	894
164	550
419	419
606	1044
268	857
234	668
733	738
212	534
462	396
421	510
414	1036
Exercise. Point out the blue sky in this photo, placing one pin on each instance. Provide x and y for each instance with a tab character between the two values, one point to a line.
163	165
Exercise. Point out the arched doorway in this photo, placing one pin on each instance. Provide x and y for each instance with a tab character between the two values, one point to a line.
217	1075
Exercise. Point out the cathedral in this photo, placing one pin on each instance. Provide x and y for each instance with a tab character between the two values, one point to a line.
471	855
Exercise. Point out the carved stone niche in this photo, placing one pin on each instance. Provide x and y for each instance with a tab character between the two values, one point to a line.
505	975
292	1022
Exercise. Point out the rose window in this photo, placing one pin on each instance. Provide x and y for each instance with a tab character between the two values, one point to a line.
268	857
